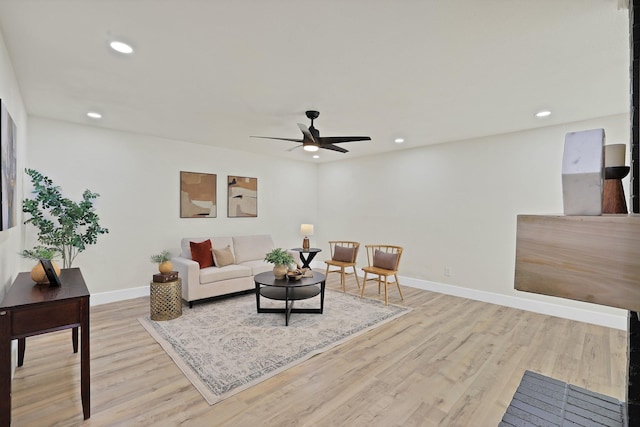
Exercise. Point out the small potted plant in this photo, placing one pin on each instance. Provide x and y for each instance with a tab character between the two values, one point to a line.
163	259
37	253
281	259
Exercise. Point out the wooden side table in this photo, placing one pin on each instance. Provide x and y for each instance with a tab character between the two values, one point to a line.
29	309
166	300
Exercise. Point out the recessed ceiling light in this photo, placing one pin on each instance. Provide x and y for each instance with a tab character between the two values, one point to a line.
315	156
94	115
543	113
398	140
121	47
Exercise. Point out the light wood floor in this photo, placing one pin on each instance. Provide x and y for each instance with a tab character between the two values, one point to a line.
450	362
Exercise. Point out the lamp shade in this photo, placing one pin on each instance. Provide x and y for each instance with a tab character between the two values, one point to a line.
306	229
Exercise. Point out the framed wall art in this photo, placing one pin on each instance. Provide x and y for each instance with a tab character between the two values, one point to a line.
8	173
242	197
198	195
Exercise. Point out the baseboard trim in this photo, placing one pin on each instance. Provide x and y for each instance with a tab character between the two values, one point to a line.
120	295
541	307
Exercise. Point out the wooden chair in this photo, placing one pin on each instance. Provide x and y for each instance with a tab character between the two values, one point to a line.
343	255
383	261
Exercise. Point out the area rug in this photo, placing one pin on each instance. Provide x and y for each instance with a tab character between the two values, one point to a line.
544	401
224	346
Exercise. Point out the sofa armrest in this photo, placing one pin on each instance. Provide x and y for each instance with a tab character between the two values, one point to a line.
189	271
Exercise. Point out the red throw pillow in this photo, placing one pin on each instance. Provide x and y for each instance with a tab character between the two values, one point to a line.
201	253
342	253
385	260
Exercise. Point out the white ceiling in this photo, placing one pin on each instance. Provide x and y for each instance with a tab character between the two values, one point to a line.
216	71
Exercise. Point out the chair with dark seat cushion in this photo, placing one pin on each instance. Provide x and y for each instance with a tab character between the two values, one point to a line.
383	261
343	255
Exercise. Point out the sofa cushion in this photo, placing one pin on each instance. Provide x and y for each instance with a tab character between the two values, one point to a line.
343	253
258	266
216	242
201	253
251	248
216	274
223	257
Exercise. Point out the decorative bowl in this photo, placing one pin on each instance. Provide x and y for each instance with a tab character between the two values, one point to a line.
294	275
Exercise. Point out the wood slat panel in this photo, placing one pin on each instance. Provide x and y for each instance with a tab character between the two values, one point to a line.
586	258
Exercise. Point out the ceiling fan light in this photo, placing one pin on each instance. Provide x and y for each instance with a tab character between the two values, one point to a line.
310	148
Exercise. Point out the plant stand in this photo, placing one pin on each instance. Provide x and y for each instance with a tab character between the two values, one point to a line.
166	300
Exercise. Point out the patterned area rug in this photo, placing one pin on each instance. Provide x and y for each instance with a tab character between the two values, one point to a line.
224	346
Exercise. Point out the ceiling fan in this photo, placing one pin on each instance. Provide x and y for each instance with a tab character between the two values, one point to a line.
312	141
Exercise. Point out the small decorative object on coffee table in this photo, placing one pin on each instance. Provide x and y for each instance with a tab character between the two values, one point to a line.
166	296
281	261
289	291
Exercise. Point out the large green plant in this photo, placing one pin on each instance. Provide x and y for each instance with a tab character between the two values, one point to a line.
62	224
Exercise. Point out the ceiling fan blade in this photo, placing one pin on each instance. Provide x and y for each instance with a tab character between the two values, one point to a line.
297	146
334	148
281	139
337	139
308	138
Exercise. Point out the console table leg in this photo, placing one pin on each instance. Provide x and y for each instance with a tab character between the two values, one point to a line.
5	368
22	346
74	339
85	379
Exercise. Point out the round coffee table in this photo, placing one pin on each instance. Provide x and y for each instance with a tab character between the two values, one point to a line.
289	291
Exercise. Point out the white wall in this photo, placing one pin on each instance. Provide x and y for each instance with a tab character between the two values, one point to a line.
11	240
138	179
454	205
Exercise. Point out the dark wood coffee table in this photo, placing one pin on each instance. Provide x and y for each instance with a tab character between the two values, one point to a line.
289	291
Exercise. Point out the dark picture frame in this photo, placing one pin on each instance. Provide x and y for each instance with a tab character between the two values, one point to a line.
54	280
242	197
198	195
8	171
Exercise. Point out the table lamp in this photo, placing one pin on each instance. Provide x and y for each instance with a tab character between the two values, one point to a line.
306	230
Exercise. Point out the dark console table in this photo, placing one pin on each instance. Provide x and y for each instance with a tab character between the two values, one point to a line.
289	291
29	309
310	254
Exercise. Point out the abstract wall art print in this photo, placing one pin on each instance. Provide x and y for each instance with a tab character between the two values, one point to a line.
197	195
243	197
8	173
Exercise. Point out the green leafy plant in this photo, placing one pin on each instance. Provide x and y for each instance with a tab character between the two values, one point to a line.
279	256
161	257
39	252
64	225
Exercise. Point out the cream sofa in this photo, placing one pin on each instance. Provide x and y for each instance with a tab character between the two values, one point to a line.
249	253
